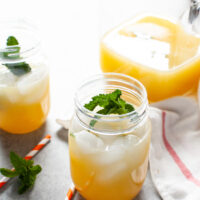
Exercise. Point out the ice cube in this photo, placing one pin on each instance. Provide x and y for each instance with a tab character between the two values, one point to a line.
34	83
110	155
7	78
116	151
88	143
12	94
139	174
142	130
74	126
108	139
126	141
112	172
28	80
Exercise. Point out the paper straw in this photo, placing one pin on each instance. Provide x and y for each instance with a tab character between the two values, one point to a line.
29	156
71	192
38	147
3	181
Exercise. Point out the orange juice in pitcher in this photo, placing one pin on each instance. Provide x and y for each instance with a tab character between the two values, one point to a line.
160	52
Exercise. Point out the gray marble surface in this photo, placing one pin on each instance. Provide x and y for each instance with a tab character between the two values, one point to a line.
53	181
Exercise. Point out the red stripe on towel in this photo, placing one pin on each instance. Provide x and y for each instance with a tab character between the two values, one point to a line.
186	172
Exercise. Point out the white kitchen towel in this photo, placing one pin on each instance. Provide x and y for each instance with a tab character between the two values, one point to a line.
175	149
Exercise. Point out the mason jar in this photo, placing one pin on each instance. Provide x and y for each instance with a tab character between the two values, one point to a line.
24	78
109	158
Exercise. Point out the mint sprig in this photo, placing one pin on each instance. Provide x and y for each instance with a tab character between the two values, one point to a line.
11	40
111	103
25	171
13	52
18	69
71	134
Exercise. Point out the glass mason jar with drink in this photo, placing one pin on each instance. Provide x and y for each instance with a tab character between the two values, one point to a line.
24	78
109	137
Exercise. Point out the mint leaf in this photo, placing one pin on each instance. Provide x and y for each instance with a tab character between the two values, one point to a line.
8	173
91	105
23	187
18	163
24	169
111	104
12	50
129	107
26	182
93	122
29	163
12	41
18	69
71	134
35	170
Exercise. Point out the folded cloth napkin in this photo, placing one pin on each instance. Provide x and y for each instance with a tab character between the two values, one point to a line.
175	149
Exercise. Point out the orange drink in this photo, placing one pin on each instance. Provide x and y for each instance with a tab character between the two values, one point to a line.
109	158
157	51
24	79
24	101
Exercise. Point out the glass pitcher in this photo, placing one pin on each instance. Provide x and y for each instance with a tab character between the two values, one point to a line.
159	46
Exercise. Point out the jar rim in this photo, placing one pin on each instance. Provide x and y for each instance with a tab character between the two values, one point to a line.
139	110
23	25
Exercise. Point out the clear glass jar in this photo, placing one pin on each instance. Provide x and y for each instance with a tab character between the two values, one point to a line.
156	42
109	160
24	79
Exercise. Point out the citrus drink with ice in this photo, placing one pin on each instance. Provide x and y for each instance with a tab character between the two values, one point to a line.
109	138
24	100
24	78
109	167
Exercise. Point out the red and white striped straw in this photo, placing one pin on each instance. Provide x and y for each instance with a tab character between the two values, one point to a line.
30	155
71	192
38	147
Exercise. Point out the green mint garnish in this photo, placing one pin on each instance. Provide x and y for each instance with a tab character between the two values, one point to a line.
71	134
18	68
111	103
93	122
11	41
25	171
12	52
